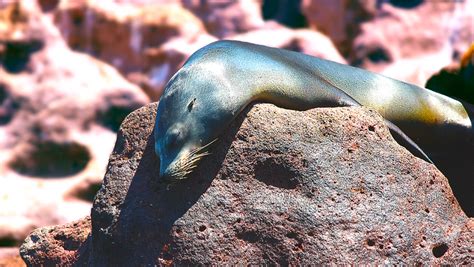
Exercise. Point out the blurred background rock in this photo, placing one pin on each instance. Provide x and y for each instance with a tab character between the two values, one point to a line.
71	70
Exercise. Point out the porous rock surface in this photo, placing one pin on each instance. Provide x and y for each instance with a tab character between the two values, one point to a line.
57	245
281	186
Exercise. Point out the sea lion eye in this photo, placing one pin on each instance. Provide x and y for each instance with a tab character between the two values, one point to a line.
191	104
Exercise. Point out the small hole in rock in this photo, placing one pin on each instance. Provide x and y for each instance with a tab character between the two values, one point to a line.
191	104
51	160
440	250
3	93
9	242
370	243
407	4
371	128
379	55
17	54
115	111
48	5
285	12
291	235
88	193
202	228
276	172
249	236
8	105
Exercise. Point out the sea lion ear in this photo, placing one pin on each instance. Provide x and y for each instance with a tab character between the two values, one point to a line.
191	104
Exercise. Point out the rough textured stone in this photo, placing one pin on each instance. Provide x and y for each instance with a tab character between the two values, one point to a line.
282	186
57	245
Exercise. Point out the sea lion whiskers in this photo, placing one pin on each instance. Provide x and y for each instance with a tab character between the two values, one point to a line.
187	163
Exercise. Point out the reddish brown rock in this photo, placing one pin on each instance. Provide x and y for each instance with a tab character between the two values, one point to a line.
305	41
412	42
406	40
59	111
338	19
48	5
57	245
129	35
282	186
226	18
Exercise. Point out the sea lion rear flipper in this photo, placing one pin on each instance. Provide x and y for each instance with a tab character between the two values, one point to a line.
407	142
399	136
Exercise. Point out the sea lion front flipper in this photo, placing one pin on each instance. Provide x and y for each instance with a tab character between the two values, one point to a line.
406	141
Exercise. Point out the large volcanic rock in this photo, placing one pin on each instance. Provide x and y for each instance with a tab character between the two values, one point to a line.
282	186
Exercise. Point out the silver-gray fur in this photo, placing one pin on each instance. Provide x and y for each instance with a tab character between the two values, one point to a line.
220	80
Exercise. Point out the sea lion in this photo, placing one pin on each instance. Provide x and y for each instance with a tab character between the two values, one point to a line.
218	81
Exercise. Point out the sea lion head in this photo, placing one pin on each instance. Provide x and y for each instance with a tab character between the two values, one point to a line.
185	125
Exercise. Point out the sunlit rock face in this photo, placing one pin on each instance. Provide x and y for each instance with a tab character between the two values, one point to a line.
298	40
338	19
407	40
59	111
129	36
227	18
413	42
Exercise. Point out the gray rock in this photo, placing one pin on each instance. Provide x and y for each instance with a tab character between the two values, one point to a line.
282	186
